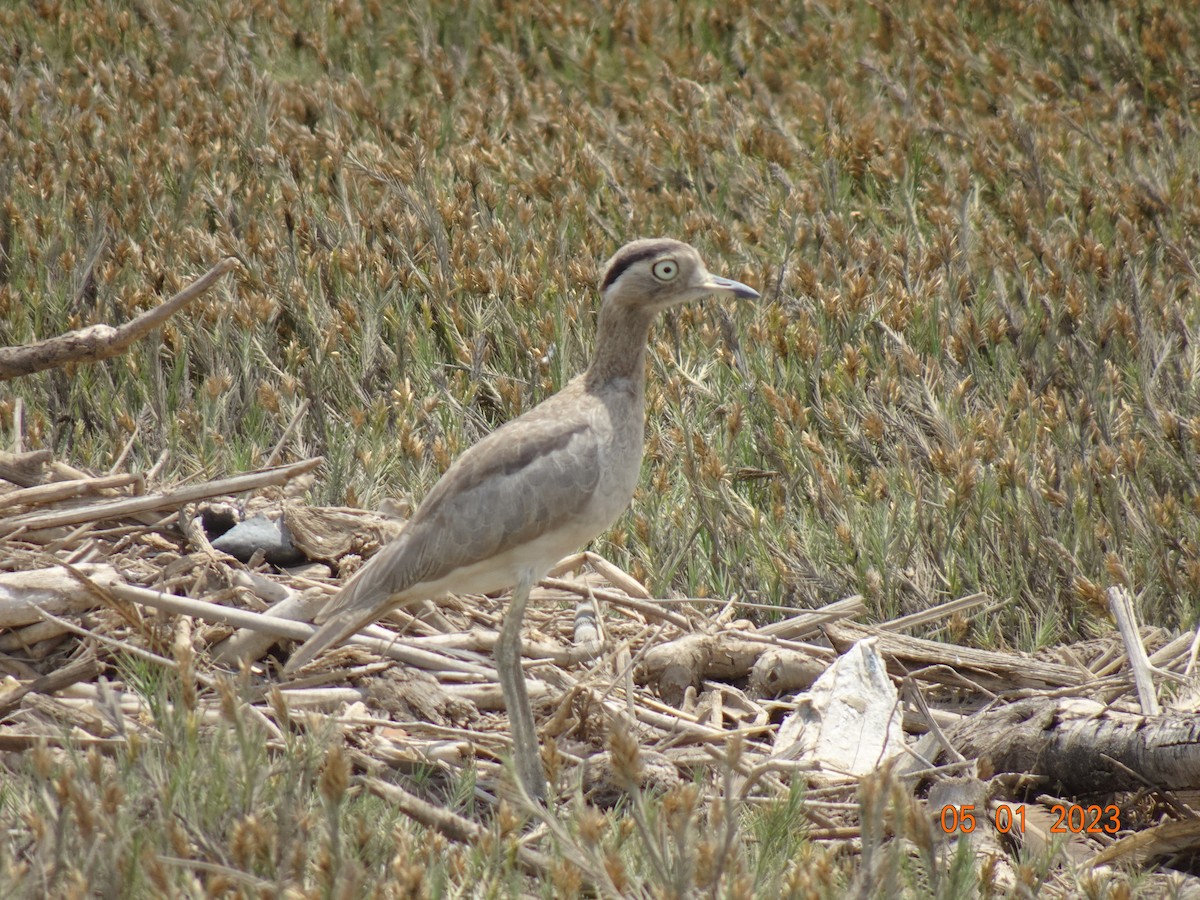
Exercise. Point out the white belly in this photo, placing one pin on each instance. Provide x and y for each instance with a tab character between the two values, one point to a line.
504	570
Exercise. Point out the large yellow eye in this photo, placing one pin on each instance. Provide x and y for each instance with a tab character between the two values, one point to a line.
665	270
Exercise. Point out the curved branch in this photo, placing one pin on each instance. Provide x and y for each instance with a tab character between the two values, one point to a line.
101	341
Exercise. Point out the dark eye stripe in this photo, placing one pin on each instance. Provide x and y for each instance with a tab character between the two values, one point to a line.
624	261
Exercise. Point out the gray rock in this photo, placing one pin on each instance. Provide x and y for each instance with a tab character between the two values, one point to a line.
260	533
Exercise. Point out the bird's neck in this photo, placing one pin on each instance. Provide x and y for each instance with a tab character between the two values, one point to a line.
620	353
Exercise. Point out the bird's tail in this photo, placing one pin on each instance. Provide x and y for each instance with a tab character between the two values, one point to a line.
337	627
362	600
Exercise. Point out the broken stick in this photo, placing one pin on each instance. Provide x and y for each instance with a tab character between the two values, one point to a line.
102	341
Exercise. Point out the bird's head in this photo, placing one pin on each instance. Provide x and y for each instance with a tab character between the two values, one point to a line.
656	273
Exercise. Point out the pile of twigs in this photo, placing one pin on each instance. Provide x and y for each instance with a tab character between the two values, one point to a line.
98	566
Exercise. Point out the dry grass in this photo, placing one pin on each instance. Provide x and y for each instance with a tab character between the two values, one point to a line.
975	227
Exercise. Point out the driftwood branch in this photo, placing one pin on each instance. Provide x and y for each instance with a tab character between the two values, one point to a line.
123	506
240	618
1071	742
102	341
64	490
1120	604
24	469
24	594
86	669
936	662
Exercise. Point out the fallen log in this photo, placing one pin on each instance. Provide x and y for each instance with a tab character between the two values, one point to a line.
1082	746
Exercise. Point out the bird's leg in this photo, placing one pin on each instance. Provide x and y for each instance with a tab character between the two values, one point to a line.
526	756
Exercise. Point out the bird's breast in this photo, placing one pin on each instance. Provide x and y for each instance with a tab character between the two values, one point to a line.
620	462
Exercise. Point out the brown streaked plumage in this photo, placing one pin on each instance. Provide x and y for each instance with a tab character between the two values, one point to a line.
537	488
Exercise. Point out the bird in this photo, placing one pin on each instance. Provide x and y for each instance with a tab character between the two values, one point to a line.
537	488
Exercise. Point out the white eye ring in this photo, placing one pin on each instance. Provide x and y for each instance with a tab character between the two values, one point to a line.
665	270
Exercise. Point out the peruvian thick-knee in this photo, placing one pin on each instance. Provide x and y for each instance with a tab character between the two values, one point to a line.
539	487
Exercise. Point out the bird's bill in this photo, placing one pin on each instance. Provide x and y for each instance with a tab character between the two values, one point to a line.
719	285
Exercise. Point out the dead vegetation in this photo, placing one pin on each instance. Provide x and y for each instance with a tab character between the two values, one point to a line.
637	698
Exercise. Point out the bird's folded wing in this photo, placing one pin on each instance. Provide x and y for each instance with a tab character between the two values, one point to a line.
534	476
